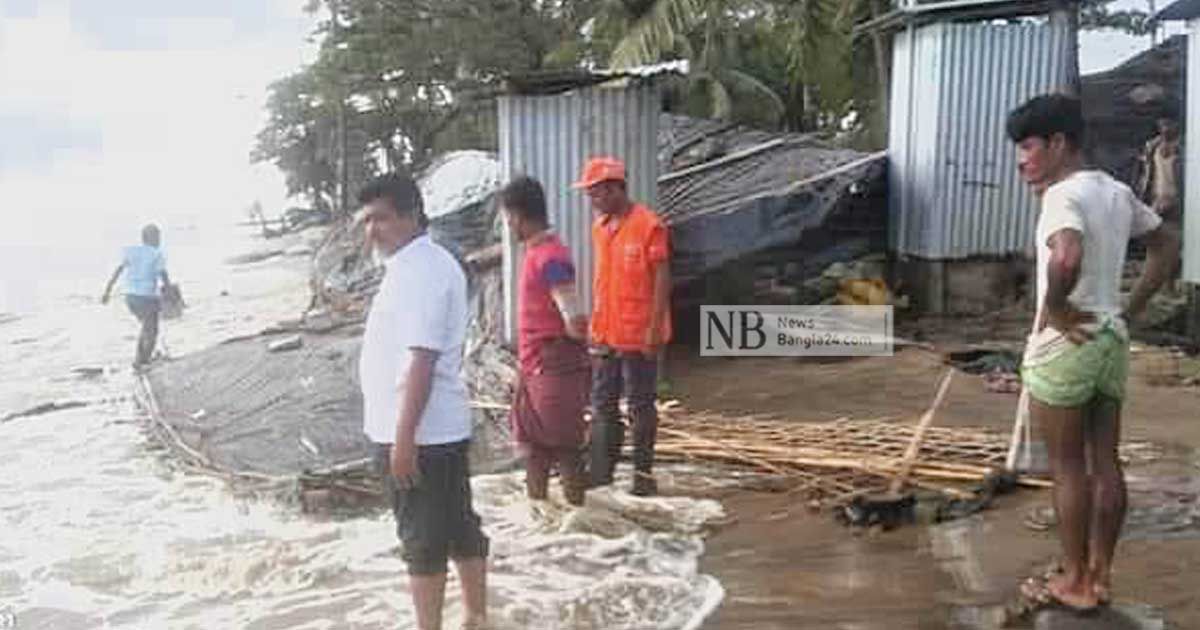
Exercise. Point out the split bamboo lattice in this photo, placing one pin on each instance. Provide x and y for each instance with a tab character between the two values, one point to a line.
828	462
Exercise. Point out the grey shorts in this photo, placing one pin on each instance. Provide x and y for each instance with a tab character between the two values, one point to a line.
434	518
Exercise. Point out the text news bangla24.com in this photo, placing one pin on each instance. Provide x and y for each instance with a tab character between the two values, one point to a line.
783	331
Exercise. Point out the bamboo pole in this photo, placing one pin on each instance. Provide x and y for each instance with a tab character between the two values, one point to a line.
748	459
914	447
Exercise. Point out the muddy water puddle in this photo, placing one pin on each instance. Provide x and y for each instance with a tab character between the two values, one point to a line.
1164	503
963	574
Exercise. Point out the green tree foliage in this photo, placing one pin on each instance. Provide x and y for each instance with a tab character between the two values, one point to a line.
413	78
408	76
1098	14
299	138
791	64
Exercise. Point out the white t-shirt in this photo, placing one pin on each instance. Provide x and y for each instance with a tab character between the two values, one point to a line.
421	303
1107	214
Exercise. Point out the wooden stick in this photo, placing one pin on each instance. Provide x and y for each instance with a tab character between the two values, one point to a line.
914	447
1022	417
161	424
870	465
853	448
484	404
818	457
918	471
732	157
736	455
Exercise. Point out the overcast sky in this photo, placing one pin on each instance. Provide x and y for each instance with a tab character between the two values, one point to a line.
1099	50
113	112
117	111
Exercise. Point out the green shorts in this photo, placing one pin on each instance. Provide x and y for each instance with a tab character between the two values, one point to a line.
1080	373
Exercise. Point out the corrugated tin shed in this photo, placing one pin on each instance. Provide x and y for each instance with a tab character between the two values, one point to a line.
549	133
921	12
954	186
1189	10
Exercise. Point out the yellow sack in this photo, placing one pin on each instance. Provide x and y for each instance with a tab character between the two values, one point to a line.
864	292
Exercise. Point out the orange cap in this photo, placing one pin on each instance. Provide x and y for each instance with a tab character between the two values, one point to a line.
601	169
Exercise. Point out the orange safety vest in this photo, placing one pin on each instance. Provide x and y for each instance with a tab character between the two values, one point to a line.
623	281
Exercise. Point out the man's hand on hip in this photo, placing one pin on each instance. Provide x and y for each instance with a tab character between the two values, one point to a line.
1069	322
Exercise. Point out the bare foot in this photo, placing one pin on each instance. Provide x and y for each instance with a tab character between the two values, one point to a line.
1101	585
1078	597
475	622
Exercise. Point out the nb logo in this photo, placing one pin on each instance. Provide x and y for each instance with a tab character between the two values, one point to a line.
776	330
734	330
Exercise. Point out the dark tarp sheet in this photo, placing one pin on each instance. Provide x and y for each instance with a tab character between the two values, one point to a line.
710	228
247	410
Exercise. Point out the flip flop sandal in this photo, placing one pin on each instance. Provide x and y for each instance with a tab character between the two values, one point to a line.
1035	592
1103	593
1037	596
1031	597
1058	604
1055	604
1079	611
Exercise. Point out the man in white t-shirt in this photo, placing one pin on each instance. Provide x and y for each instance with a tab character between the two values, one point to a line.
1077	357
415	402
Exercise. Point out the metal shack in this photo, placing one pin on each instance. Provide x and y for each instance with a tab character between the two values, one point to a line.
551	123
957	207
1189	12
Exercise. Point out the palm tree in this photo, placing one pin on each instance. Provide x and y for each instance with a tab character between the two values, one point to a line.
719	37
705	32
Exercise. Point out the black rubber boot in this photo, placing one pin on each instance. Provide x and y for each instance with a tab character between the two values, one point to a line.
607	439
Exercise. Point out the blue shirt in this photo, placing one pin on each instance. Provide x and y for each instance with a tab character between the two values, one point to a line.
144	265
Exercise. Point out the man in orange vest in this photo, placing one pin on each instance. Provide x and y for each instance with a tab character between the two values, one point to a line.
630	321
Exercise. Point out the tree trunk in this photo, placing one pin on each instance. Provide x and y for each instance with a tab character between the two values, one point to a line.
1154	27
1066	15
883	77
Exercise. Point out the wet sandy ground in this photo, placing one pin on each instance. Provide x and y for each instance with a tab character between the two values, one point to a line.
784	567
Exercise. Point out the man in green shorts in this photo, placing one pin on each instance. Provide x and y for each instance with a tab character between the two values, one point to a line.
1077	357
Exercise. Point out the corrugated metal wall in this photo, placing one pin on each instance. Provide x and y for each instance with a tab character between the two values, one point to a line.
1191	229
955	191
550	138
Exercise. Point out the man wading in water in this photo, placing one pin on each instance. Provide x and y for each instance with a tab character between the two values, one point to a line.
547	412
1077	357
631	321
143	265
415	402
